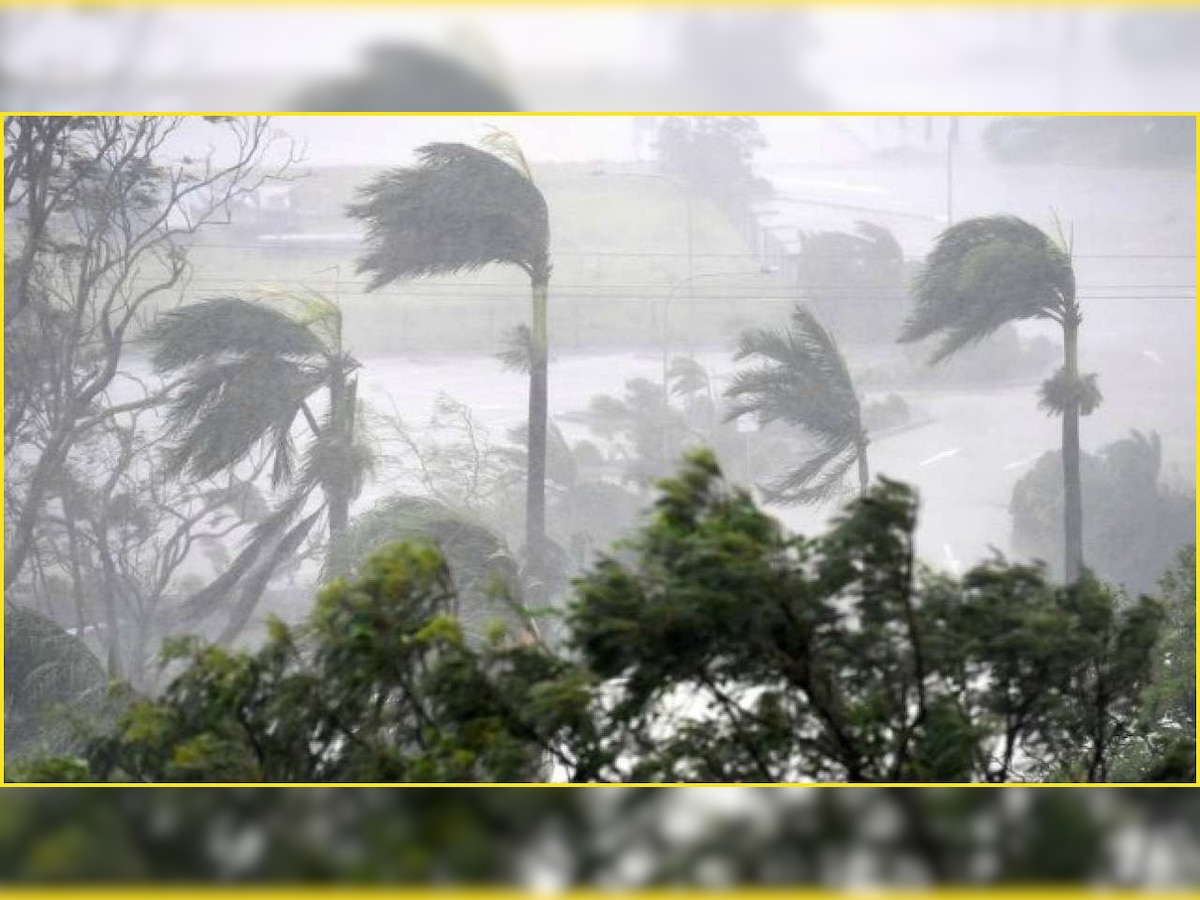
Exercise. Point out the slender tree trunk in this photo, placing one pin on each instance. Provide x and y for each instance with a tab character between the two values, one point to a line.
49	464
1072	490
535	484
864	472
109	587
341	424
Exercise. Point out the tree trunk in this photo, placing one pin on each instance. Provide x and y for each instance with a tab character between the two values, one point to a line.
342	400
864	473
1072	491
535	480
49	464
109	585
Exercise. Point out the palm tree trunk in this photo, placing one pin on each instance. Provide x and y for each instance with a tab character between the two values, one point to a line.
1072	490
864	473
535	486
341	423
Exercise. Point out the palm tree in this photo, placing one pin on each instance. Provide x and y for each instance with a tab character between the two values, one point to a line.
48	674
986	272
803	381
251	371
459	209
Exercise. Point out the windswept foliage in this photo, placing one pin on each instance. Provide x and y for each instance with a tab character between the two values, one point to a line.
983	273
484	573
458	209
986	272
802	380
250	371
857	282
1136	521
48	673
718	648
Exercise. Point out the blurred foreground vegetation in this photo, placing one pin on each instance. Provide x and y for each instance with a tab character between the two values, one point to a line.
616	839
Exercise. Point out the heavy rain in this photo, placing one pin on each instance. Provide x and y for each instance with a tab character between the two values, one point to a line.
588	380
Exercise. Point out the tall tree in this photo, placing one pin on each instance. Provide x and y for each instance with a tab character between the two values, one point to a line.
988	271
802	380
458	209
714	647
99	220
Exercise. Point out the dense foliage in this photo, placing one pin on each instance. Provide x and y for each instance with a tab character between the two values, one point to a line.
719	648
1136	523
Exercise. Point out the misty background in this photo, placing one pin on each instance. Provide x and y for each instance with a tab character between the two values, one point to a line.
620	235
399	408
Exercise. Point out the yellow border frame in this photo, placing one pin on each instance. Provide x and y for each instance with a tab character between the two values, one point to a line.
505	894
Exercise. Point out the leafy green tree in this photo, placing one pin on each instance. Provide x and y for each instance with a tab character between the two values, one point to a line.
1174	690
251	370
459	209
1144	141
856	282
486	576
1136	523
379	685
714	154
802	380
645	436
717	648
1163	746
764	657
992	270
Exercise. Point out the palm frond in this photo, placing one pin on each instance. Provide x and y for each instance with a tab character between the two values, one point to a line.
802	380
819	479
254	583
458	209
983	273
46	671
224	409
262	540
330	460
881	241
223	326
1059	392
312	310
687	376
505	145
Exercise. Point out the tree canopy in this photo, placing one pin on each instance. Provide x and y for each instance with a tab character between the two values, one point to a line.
718	648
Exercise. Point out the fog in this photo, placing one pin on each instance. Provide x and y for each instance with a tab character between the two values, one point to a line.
661	257
317	57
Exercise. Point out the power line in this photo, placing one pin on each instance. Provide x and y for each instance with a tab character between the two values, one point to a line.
417	286
310	248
